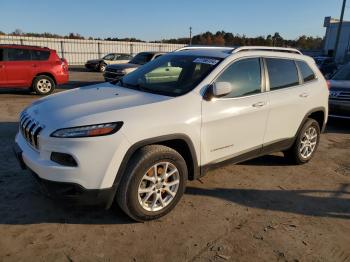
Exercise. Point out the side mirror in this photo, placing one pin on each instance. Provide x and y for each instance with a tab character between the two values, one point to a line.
221	89
218	89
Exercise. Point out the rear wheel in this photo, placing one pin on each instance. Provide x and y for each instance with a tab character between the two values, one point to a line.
153	184
306	143
43	85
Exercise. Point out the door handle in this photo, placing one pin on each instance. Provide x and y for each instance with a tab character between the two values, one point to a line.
34	65
259	104
304	95
2	66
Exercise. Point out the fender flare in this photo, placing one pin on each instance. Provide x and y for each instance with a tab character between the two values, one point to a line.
155	140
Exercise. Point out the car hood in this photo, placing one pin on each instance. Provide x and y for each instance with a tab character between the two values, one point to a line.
94	61
123	66
340	84
88	105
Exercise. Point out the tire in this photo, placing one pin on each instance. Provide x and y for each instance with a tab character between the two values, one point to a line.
299	154
43	85
102	67
142	206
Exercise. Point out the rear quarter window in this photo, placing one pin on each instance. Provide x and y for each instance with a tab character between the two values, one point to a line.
1	54
40	55
283	73
306	72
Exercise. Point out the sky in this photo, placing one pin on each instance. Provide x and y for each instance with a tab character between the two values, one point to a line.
164	19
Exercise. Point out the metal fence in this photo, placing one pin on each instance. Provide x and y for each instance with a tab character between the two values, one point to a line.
77	51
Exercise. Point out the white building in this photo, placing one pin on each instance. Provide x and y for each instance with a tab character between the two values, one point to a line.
343	53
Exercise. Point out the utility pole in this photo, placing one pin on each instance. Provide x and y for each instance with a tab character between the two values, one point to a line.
190	35
339	29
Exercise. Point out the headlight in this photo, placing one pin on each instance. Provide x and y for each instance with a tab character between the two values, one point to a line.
88	131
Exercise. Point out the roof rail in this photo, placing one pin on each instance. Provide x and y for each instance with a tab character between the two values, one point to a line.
204	47
35	46
266	48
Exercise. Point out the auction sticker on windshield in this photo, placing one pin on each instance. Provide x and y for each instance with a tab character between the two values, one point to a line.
209	61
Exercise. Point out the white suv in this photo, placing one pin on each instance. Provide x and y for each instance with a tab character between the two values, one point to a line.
138	141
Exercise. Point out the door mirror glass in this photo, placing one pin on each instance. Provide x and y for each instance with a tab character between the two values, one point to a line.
221	89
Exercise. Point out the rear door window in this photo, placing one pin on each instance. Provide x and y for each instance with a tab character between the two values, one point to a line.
40	55
282	73
1	54
17	54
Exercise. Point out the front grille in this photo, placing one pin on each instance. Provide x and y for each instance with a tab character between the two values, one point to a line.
339	95
30	130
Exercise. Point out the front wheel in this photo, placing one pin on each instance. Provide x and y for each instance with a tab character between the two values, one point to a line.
153	184
43	85
102	67
306	143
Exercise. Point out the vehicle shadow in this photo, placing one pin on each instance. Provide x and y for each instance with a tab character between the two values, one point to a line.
75	84
268	160
338	126
319	203
80	69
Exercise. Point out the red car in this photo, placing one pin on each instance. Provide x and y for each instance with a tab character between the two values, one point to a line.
39	68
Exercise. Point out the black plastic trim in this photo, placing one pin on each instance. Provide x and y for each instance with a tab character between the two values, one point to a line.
75	193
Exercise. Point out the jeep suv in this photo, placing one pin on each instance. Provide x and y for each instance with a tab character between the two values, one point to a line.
39	68
138	141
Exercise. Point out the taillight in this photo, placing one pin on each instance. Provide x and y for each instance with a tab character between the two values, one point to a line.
64	64
328	84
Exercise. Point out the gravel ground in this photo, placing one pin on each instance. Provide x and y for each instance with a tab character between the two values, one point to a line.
260	210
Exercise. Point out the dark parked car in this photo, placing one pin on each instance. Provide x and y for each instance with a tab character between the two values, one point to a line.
327	65
110	59
115	72
339	94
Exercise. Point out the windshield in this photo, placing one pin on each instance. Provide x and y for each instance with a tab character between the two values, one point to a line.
343	73
171	75
141	58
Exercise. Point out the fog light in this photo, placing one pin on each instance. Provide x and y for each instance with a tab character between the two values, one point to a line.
63	159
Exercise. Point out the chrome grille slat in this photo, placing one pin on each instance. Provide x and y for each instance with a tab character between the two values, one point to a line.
30	129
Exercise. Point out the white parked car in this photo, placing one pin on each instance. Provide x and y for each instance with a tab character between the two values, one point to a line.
137	142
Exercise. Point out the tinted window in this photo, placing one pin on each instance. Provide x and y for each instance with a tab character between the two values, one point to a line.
109	57
15	54
244	76
282	73
343	73
141	58
1	54
124	57
306	72
40	55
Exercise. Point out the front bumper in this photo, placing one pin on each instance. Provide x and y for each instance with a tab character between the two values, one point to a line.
111	76
65	189
339	109
98	159
91	66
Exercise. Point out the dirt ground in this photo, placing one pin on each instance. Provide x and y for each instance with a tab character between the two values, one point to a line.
260	210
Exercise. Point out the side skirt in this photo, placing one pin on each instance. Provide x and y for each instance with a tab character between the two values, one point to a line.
261	151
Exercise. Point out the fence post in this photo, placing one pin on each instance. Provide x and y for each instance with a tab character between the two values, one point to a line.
62	49
131	49
99	49
160	48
